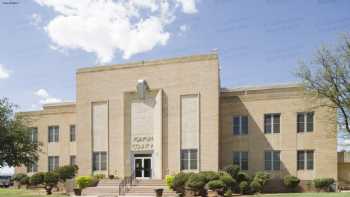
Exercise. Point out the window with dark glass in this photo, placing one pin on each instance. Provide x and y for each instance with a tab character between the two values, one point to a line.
99	161
72	160
241	159
72	133
272	123
189	159
272	160
240	125
53	134
32	167
53	163
34	135
305	122
305	160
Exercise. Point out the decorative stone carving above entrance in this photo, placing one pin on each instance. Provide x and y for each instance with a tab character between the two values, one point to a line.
142	143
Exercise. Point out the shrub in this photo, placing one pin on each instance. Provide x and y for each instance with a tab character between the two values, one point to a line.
179	181
50	180
216	184
196	182
262	178
66	172
244	187
170	181
100	176
291	182
37	178
228	193
255	186
83	181
210	175
94	182
242	176
323	183
229	182
232	170
111	176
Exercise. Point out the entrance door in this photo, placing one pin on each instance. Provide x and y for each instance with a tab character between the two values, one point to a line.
143	167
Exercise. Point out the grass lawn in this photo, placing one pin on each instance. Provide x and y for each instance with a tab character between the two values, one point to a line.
22	193
343	194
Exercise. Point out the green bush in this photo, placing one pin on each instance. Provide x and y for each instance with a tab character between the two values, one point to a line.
100	176
242	176
262	177
244	187
179	181
291	182
37	178
210	175
323	183
66	172
255	186
196	182
84	181
18	177
232	170
228	193
169	179
229	182
216	184
50	180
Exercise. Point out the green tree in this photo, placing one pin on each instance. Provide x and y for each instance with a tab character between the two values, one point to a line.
328	76
16	147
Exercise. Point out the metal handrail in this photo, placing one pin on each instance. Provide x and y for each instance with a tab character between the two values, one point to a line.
126	183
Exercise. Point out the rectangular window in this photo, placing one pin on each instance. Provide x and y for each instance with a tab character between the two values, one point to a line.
272	160
241	159
72	160
305	122
240	125
305	160
189	159
33	167
99	161
272	123
72	133
34	135
53	163
53	133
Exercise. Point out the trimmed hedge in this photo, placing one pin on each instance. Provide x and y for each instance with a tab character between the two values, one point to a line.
232	170
179	181
196	182
169	179
255	186
244	187
291	182
216	184
37	178
323	183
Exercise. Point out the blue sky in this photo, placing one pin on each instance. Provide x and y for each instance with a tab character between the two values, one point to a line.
259	42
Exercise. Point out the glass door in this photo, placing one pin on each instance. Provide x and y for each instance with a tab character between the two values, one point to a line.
143	167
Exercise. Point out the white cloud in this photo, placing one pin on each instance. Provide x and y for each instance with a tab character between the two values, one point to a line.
36	19
45	98
188	6
105	27
184	28
4	72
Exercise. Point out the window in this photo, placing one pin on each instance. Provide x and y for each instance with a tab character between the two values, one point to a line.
72	160
72	133
240	125
272	160
53	163
53	133
189	159
305	122
99	161
305	160
34	135
272	123
241	159
32	167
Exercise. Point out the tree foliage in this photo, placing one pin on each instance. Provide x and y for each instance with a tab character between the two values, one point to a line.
16	147
328	76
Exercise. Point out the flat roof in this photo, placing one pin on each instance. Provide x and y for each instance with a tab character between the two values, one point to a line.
199	57
262	87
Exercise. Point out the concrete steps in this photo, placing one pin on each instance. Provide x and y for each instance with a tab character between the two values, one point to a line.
105	187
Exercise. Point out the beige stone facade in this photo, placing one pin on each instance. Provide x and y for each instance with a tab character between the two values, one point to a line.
164	116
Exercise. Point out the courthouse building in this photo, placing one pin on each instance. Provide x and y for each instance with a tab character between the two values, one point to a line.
154	118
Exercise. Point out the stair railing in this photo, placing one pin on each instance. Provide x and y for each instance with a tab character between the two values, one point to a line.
126	184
